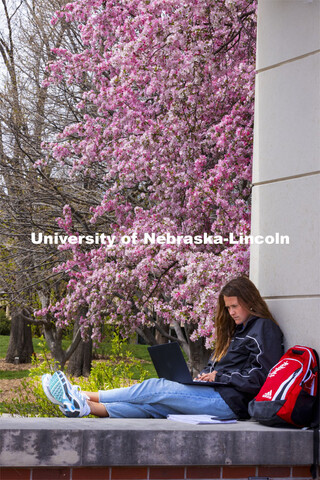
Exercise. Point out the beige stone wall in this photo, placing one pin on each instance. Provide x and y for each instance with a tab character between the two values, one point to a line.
286	173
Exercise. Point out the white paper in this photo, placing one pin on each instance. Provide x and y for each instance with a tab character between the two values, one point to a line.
198	419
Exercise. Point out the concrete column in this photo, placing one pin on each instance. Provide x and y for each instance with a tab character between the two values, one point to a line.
286	166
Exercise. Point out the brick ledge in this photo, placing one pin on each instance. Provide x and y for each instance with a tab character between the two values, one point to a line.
38	442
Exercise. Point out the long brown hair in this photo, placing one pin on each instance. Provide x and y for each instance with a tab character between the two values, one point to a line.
249	297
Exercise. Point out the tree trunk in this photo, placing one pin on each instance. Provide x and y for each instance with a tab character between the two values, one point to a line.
160	339
199	356
197	353
20	349
80	361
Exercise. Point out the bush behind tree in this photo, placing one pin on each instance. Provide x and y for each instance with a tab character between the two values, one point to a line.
5	323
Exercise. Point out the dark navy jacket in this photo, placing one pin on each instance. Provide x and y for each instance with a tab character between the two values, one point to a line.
254	349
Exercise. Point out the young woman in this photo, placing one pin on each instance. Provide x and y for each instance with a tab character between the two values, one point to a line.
248	345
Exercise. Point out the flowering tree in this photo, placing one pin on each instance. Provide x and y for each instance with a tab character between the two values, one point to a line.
30	197
167	127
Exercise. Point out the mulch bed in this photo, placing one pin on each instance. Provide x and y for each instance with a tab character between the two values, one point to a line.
8	386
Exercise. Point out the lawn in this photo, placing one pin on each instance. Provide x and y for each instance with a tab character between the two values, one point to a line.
11	374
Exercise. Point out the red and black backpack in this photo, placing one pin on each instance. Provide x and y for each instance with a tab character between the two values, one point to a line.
290	394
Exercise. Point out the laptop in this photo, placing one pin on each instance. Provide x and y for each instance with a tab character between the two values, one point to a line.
169	362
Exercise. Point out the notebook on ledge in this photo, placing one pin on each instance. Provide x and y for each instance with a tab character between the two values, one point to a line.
169	362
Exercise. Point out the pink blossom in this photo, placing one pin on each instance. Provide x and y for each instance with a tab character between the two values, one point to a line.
169	134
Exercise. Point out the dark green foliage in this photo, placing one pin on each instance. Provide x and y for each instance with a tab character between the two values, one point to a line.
5	323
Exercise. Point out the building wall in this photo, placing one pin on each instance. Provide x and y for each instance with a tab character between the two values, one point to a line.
159	473
286	166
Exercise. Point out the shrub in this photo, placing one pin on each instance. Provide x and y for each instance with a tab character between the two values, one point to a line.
117	371
5	323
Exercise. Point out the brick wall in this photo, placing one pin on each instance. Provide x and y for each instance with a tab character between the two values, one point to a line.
158	473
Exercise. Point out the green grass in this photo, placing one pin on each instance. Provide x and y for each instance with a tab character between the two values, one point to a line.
10	375
4	342
138	351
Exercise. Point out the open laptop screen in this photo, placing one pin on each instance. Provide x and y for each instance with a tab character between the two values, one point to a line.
169	362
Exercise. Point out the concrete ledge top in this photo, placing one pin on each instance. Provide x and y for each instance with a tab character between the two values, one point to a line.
112	442
105	424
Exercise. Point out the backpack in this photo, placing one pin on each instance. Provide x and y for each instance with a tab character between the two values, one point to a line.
290	395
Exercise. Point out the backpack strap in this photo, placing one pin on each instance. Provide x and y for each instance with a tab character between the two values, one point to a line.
315	425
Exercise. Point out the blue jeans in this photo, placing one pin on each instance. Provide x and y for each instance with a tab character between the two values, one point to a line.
157	398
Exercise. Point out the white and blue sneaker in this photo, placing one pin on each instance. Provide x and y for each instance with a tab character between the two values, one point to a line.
45	380
72	402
